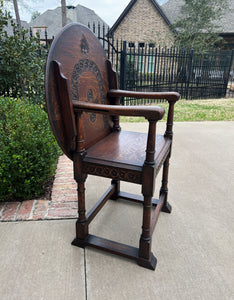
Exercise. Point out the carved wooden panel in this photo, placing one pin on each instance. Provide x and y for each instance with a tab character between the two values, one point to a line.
87	85
83	63
112	172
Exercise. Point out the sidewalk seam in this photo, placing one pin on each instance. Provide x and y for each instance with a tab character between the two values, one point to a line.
85	273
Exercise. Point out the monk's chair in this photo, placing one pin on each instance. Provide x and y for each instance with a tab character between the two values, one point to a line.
83	104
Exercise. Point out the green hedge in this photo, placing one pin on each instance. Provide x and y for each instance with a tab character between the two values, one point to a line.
22	62
28	149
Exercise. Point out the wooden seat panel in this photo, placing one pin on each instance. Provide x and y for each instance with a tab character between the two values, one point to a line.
116	157
120	148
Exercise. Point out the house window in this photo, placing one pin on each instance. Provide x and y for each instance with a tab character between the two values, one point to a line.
151	63
141	58
131	45
141	63
151	45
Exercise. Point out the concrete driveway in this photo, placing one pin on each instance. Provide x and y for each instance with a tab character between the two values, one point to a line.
194	245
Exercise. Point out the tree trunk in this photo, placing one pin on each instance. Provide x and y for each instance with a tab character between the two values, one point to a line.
64	13
17	14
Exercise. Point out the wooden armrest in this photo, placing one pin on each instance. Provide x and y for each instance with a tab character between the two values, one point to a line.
149	112
169	96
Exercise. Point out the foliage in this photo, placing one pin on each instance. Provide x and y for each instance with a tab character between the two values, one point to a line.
35	14
4	16
28	149
22	63
196	28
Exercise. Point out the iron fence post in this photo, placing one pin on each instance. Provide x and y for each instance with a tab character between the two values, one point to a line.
189	74
229	72
123	59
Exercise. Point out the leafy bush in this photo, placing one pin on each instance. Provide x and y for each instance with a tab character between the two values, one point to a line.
22	63
28	149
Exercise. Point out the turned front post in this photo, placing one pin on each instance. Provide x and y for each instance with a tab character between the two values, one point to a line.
148	191
81	225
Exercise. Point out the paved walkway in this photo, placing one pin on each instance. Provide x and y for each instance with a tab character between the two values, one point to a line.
63	204
194	244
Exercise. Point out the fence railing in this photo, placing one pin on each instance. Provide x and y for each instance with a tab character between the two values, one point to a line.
230	87
145	67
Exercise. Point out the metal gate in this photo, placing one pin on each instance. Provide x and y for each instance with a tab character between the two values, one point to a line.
145	67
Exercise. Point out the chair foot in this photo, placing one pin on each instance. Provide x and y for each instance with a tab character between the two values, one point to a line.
114	197
167	208
79	243
148	263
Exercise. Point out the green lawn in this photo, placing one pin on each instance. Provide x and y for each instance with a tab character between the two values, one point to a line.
197	110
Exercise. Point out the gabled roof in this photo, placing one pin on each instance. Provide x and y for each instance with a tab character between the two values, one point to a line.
9	28
226	24
172	9
127	9
53	21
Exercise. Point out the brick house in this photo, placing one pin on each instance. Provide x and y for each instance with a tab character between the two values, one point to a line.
147	21
143	21
50	22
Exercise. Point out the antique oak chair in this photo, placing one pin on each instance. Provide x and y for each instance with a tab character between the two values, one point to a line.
83	104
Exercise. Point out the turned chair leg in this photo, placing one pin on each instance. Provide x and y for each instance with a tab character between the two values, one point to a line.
116	183
146	257
81	224
164	189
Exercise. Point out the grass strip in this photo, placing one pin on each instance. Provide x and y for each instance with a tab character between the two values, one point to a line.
196	110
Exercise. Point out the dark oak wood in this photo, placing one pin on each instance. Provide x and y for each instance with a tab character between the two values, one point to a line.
83	103
117	249
149	112
169	96
135	198
87	79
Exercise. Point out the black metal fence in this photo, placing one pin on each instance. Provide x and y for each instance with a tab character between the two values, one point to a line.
145	67
230	87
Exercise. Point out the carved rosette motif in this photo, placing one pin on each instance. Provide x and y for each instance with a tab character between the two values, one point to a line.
114	173
82	66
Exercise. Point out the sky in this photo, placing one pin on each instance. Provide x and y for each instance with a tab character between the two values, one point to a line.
108	10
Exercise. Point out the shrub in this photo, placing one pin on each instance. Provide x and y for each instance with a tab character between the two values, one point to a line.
28	149
22	63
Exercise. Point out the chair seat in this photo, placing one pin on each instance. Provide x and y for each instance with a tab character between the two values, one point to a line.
122	152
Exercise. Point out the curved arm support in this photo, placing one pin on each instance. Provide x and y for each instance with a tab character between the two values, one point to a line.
149	112
169	96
